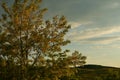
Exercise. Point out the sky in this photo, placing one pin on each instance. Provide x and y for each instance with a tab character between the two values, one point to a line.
95	27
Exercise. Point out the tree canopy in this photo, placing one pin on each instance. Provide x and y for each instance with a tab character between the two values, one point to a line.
31	47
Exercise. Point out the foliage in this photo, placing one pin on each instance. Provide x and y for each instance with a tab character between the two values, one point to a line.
30	47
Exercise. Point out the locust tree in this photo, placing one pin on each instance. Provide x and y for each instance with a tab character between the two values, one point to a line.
30	46
77	59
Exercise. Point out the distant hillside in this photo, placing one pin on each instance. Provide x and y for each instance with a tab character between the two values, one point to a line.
93	66
96	72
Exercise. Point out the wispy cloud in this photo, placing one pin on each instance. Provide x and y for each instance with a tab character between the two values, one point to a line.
113	5
105	40
86	35
116	46
92	33
75	24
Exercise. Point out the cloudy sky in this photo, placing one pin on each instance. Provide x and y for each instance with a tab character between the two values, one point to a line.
95	28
